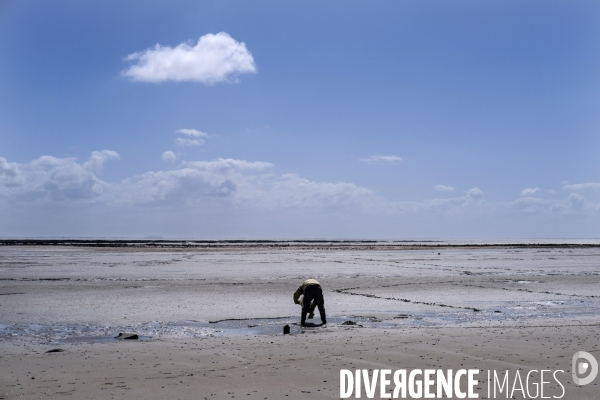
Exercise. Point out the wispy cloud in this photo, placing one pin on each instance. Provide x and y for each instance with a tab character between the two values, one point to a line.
224	165
185	142
381	159
193	133
582	186
444	188
194	137
530	191
213	59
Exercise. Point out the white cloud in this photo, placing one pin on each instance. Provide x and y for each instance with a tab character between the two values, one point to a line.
196	182
292	191
51	178
582	186
97	159
475	194
577	201
552	191
530	204
9	170
250	184
222	165
168	156
472	201
185	142
215	58
193	133
530	191
574	204
196	137
381	159
240	184
443	188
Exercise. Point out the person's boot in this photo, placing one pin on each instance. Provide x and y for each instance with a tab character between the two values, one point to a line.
311	315
303	318
323	318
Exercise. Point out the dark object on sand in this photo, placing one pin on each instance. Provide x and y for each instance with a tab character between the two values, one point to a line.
55	351
348	323
127	336
286	330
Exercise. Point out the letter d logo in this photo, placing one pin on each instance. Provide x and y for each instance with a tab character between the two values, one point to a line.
579	368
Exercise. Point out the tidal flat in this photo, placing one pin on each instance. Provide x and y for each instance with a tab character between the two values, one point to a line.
210	316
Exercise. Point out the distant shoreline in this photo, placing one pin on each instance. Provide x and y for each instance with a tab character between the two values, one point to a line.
284	244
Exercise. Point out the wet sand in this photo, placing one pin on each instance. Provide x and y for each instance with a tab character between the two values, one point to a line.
210	320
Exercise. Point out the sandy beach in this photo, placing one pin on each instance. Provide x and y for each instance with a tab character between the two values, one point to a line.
210	320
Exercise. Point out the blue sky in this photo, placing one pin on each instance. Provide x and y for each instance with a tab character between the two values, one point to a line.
411	119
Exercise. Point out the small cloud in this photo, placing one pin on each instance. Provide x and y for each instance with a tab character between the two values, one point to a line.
97	159
552	191
381	159
168	156
193	133
582	186
195	137
183	142
475	194
444	188
215	58
222	165
577	201
530	191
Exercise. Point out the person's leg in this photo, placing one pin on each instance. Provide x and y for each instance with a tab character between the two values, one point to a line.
306	303
322	313
320	301
311	311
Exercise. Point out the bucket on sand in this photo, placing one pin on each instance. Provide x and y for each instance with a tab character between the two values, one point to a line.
286	330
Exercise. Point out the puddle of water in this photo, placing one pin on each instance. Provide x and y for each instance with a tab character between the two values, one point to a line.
77	333
80	333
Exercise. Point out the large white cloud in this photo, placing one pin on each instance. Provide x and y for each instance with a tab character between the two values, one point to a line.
51	178
240	184
214	58
198	182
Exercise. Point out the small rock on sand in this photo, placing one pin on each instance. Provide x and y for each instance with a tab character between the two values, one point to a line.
127	336
54	351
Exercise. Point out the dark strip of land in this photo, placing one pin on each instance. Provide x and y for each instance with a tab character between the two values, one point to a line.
299	244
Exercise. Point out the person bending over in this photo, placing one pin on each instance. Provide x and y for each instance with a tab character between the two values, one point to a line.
312	297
